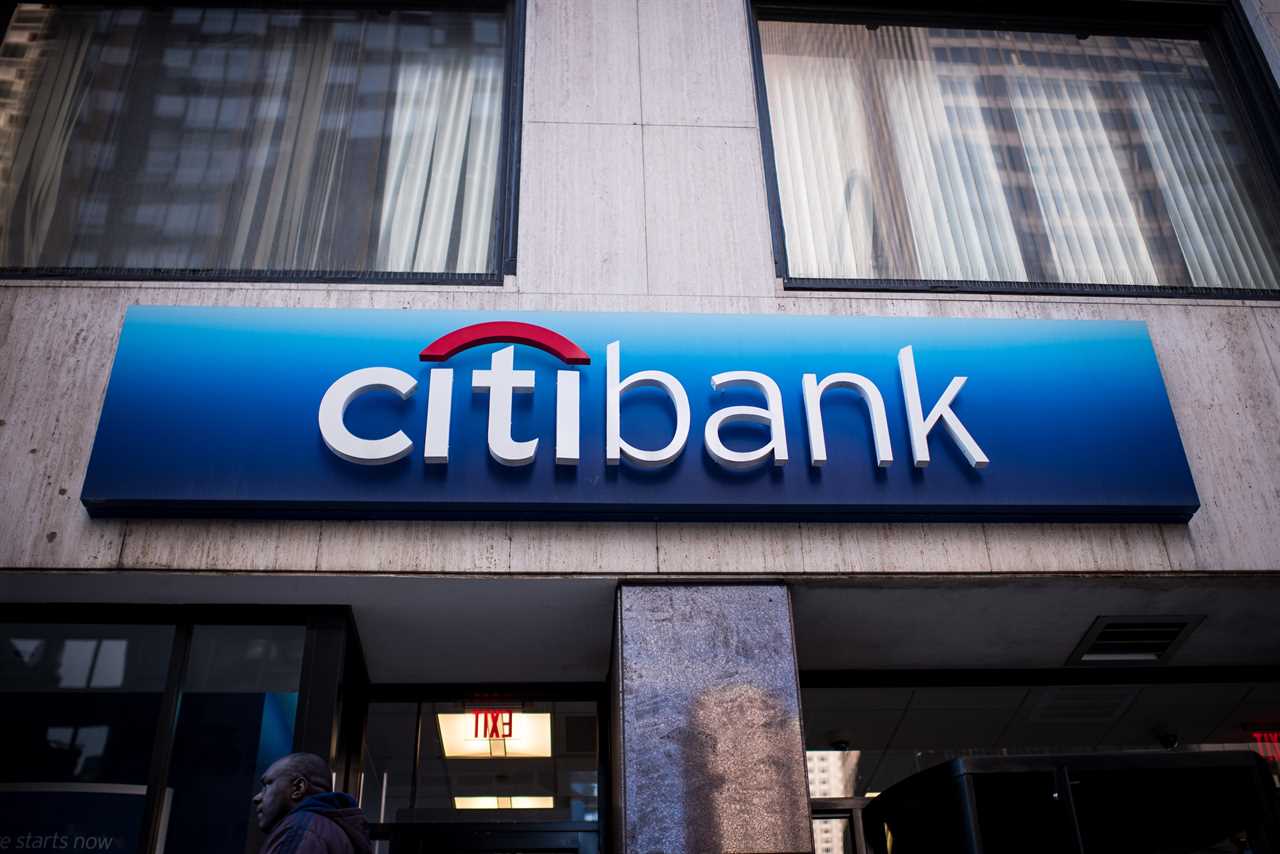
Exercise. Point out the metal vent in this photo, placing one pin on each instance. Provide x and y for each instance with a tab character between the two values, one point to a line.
1133	640
1083	704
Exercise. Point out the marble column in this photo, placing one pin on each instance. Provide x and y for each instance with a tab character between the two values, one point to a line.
708	753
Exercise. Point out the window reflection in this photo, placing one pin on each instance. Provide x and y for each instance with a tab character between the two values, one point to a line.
46	736
864	740
941	153
249	139
239	704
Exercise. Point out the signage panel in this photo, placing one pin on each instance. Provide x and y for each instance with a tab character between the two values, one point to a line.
371	413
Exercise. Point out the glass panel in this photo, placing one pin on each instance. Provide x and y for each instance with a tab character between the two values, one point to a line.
79	708
390	735
864	740
831	836
247	139
831	772
237	715
517	761
1000	156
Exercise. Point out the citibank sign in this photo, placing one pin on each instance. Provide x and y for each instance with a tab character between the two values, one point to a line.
501	381
341	413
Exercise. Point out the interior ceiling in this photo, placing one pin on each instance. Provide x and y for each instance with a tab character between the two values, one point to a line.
518	629
1024	622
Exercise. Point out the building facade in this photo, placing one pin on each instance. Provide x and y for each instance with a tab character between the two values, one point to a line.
522	672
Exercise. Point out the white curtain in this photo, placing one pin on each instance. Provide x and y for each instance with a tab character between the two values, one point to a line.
951	184
1092	226
959	154
444	134
1223	239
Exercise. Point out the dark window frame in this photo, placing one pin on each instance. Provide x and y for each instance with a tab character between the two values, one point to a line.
506	208
332	665
1221	26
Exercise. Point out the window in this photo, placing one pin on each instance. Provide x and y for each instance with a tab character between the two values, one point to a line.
152	734
917	155
867	734
488	768
255	142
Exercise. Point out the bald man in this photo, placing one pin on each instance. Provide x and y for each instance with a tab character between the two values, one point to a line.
301	813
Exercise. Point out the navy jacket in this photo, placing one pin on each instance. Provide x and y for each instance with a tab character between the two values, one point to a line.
328	823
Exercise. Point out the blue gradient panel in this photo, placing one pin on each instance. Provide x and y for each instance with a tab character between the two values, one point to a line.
213	411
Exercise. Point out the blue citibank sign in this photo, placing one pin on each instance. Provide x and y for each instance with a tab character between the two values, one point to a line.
438	414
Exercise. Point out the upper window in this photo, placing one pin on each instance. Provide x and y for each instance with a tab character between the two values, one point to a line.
923	153
253	141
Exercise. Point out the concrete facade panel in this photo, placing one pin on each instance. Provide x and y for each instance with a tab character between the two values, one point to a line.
705	213
55	353
582	62
695	63
248	545
410	546
898	548
755	548
582	225
625	548
1090	548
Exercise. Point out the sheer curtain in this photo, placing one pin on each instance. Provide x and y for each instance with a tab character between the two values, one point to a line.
244	139
959	154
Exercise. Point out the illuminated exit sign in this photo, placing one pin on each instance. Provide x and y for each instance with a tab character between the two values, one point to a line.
491	724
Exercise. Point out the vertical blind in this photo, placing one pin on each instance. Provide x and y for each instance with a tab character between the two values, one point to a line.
913	153
241	139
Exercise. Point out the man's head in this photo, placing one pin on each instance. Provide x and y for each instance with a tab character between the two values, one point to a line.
287	783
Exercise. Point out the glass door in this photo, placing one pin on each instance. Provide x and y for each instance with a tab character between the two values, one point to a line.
483	770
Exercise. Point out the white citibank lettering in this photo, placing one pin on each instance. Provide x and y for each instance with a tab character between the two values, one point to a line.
502	380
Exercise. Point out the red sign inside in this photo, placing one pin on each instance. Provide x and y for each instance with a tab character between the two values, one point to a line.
1268	744
491	724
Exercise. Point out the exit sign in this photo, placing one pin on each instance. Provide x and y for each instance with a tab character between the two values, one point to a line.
491	724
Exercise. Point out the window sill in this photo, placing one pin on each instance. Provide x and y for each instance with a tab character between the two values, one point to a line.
179	276
1045	289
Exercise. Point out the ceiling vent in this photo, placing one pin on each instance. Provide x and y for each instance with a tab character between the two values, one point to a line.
1083	705
1133	640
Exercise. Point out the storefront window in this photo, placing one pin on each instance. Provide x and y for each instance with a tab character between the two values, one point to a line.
79	709
864	740
238	706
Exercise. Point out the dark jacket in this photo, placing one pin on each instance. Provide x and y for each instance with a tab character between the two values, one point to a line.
328	823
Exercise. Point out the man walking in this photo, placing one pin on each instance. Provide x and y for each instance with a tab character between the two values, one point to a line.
301	813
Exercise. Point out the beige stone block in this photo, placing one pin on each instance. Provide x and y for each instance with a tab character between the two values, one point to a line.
415	546
57	348
581	62
901	547
1076	548
607	548
582	226
755	548
254	545
695	63
707	223
1227	405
